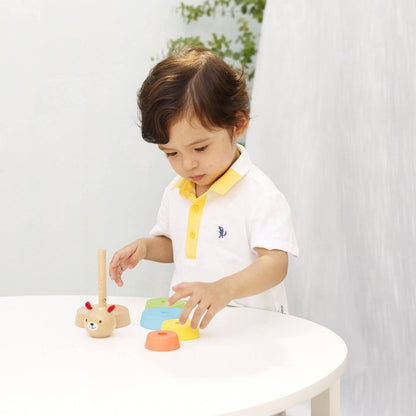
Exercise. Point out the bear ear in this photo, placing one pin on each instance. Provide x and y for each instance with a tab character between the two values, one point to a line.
88	305
111	308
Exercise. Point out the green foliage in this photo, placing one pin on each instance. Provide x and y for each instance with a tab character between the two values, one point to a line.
239	51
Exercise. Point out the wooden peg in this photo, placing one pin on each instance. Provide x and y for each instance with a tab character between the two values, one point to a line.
121	313
102	279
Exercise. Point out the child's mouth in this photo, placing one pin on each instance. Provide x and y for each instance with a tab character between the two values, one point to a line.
197	178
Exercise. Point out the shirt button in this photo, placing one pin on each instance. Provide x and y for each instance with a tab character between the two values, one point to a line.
195	208
192	234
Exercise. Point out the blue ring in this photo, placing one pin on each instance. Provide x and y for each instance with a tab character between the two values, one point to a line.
154	317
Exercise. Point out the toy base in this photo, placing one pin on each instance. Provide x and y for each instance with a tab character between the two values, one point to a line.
121	313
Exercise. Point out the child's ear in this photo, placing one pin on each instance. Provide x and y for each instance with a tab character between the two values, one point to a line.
240	129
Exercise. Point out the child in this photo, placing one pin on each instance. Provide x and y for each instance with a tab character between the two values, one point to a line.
221	221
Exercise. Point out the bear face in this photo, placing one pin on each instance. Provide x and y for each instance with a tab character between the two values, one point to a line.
99	321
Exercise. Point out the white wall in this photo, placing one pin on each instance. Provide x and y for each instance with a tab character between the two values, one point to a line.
333	108
75	174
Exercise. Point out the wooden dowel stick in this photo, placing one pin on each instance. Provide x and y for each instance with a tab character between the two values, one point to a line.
102	279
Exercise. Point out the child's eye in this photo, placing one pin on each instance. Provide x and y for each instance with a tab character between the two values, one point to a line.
201	149
171	154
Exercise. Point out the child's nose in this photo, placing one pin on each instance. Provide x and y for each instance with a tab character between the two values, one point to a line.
189	163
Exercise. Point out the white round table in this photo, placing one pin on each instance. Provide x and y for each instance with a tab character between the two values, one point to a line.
247	362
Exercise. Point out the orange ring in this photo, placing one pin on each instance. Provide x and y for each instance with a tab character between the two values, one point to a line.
162	340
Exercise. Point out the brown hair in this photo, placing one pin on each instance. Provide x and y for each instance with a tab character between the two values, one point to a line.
192	82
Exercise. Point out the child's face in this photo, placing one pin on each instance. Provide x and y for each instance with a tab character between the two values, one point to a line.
199	154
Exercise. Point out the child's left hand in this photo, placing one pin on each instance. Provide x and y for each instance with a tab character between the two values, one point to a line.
208	298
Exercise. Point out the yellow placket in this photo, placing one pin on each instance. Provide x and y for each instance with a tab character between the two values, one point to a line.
194	221
187	191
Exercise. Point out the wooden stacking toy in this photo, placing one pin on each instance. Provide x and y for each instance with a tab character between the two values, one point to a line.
100	320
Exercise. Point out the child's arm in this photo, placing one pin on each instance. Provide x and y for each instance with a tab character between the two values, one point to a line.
267	271
154	248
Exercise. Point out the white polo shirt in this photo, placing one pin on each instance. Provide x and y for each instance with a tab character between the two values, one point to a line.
216	234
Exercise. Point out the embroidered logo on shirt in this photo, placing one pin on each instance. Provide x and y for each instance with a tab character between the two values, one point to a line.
222	232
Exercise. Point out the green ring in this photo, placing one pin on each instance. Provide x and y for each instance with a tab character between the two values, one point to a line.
161	302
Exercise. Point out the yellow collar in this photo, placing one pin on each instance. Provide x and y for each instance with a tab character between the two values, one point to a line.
223	184
220	186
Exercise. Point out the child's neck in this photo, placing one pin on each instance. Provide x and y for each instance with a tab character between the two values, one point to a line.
201	189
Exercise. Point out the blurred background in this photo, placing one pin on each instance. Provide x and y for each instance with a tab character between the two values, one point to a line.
333	124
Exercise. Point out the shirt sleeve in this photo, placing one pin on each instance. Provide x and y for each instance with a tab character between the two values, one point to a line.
270	225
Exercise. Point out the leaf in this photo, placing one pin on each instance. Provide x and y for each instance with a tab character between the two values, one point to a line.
243	48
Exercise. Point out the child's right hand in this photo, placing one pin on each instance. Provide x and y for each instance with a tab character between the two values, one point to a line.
126	258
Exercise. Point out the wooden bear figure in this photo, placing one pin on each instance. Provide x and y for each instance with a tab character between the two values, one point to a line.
99	321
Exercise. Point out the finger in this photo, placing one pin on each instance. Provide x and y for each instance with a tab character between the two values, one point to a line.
113	266
182	291
121	257
179	286
187	309
123	263
198	313
115	263
117	279
134	259
120	263
119	282
115	274
210	313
